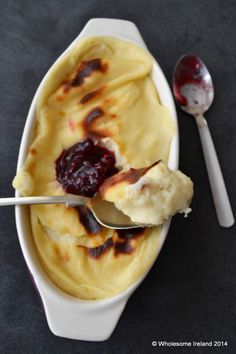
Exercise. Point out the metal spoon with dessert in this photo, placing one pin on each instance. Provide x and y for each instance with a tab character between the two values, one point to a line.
194	92
98	207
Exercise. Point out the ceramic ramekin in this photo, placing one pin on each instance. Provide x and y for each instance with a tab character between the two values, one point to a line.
67	316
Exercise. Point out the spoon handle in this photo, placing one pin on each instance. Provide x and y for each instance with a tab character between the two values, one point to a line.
220	196
69	200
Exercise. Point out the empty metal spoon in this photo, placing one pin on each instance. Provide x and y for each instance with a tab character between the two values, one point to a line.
104	212
194	92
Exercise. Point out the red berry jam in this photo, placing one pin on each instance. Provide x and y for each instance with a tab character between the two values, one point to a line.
82	168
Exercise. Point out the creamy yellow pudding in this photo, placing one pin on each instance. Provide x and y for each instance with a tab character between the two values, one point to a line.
149	195
100	91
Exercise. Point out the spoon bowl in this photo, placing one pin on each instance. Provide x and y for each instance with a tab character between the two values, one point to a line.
192	85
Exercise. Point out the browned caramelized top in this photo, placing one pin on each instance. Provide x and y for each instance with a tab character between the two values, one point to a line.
123	244
96	252
88	220
85	69
91	95
93	115
131	176
88	124
33	151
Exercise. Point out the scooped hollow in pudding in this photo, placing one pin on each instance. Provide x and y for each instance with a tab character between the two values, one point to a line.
149	195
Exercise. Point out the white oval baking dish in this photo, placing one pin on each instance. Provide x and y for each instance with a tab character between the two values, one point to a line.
67	316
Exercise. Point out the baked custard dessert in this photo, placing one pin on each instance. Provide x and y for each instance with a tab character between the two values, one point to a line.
98	113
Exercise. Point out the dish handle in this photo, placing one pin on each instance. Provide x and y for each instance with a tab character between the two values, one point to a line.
109	27
82	320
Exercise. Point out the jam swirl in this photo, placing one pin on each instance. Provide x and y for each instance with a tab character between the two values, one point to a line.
82	168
